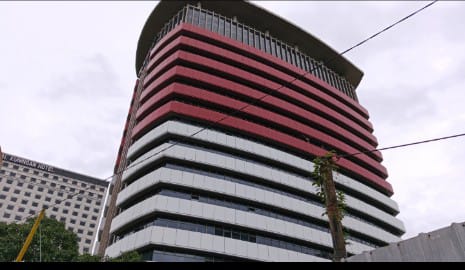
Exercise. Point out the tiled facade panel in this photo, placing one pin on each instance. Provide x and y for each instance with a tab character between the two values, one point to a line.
256	170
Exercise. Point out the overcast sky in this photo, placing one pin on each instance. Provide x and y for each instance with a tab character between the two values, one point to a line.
67	75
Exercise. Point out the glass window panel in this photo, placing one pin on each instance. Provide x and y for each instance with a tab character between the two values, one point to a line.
218	231
189	15
196	17
221	27
278	50
272	46
257	40
268	45
227	28
239	33
202	19
233	31
215	24
244	236
236	235
227	233
250	36
283	53
210	229
292	56
252	238
245	35
262	42
299	63
209	21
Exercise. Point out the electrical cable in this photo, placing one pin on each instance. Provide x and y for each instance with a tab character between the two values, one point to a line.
267	94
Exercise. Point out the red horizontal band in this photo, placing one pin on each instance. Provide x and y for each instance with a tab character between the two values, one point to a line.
190	111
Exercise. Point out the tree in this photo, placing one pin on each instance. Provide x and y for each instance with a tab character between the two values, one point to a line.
51	243
333	200
88	258
131	256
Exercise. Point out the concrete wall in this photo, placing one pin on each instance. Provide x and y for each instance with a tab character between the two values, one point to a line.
443	245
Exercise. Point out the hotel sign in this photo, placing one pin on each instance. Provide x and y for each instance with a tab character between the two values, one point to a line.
28	163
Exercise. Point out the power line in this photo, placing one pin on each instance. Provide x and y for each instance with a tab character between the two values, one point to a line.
402	145
269	92
262	97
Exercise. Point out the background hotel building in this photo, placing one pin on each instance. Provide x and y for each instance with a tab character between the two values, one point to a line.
241	189
27	186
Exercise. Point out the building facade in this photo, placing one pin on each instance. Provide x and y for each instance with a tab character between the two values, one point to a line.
231	105
27	186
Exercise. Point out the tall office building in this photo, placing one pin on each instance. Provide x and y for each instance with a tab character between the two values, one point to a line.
27	186
231	105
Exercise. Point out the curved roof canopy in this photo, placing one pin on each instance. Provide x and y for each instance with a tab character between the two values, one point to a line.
257	18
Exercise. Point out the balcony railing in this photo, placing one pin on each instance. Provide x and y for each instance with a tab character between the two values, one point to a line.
230	28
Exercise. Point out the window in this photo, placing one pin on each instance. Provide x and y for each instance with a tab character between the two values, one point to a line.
85	215
14	199
36	173
30	186
67	203
227	28
53	216
32	212
65	211
72	221
80	231
6	189
77	206
202	19
40	189
54	178
233	30
48	199
89	233
23	201
86	208
88	241
20	184
16	191
89	201
63	219
50	191
35	204
21	209
38	196
10	207
92	225
221	27
9	181
43	182
79	199
2	196
94	217
74	213
55	209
